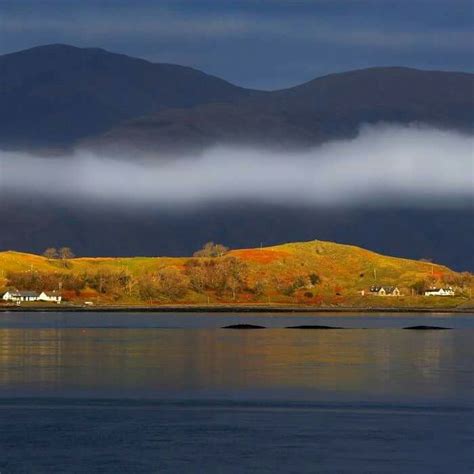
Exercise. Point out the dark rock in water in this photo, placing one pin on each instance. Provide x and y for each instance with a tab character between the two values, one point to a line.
313	326
243	326
424	328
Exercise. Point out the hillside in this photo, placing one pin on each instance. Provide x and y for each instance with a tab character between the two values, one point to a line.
53	95
311	273
323	109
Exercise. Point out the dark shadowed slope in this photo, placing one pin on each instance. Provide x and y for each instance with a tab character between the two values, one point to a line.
55	94
327	108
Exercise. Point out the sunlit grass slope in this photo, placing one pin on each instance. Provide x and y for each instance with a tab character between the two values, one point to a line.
343	272
347	266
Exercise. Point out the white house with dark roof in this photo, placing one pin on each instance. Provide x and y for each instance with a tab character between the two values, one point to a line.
20	296
385	290
440	292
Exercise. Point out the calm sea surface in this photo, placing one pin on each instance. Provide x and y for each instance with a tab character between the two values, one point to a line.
175	393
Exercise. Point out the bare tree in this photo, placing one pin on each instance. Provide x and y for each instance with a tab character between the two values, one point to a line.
219	275
50	253
232	274
65	254
171	283
210	249
168	283
147	287
197	274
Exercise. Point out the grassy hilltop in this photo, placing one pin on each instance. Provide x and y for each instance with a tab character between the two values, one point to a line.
309	273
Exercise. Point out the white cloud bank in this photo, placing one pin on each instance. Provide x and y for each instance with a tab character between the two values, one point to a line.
384	165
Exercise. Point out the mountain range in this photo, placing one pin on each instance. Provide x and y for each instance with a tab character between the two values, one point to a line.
56	98
327	108
54	95
58	95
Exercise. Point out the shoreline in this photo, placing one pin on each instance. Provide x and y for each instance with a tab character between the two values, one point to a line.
226	309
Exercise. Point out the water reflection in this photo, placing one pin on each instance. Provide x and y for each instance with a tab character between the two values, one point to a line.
313	365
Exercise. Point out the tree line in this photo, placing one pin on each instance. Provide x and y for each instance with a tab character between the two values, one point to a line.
214	273
223	276
64	254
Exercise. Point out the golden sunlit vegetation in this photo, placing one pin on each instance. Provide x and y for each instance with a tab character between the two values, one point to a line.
317	273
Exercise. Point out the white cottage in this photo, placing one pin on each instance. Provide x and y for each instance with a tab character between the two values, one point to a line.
20	296
50	297
440	292
385	290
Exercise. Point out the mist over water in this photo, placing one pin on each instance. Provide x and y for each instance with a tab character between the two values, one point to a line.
384	165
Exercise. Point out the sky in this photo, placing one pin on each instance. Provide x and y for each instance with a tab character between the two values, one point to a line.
264	44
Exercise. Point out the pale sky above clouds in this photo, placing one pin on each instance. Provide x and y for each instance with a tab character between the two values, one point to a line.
264	44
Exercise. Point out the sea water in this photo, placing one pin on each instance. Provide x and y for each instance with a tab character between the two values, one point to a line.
174	393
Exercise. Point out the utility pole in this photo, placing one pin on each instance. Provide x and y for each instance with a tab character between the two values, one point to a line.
375	275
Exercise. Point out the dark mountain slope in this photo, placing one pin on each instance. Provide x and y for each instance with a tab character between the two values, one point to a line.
330	107
55	94
179	131
341	102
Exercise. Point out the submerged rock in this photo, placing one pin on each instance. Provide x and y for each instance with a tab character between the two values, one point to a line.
425	328
243	326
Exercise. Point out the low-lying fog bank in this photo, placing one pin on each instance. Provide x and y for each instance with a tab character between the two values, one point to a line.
384	165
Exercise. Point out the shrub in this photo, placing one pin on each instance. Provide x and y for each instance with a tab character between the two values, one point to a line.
211	250
314	278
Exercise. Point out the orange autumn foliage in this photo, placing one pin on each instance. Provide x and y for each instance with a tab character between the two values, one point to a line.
259	255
